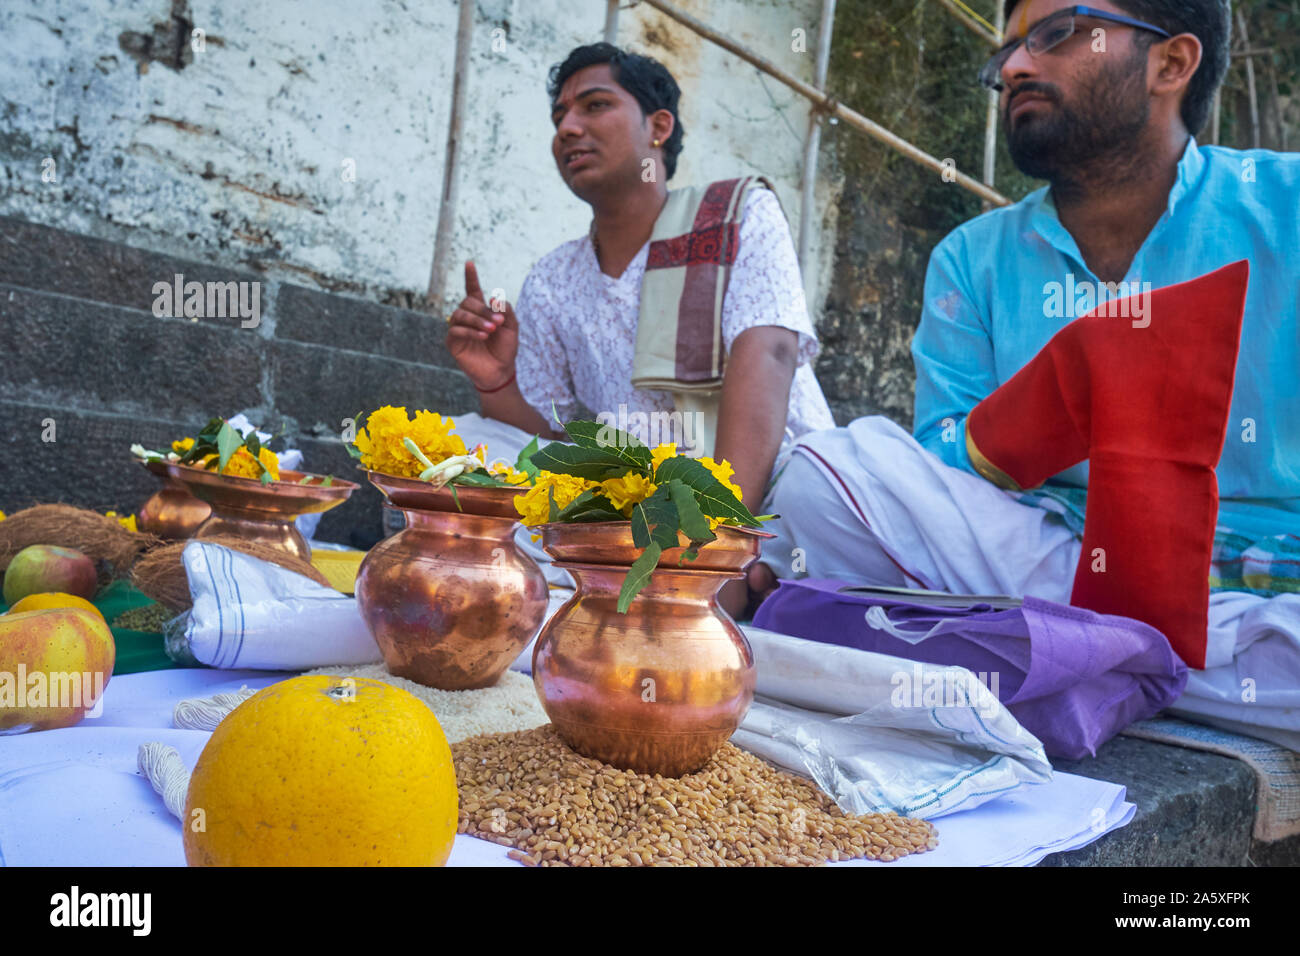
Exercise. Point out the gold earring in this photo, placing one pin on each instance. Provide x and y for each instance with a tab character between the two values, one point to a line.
656	143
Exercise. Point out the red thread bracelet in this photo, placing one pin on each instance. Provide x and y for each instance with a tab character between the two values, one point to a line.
489	391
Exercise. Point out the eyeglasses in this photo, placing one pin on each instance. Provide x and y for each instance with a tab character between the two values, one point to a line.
1049	32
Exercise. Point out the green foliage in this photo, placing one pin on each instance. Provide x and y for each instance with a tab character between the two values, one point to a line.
685	494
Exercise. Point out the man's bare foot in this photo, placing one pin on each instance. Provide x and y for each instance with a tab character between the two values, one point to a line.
741	599
761	581
734	598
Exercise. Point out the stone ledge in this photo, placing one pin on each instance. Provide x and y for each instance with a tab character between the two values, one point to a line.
1194	808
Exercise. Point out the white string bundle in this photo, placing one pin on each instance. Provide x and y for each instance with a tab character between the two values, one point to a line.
163	767
204	713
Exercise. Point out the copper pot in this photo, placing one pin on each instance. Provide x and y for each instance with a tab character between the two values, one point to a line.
172	512
248	509
450	599
660	688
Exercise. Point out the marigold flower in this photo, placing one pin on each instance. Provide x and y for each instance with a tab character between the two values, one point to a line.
127	521
182	446
722	471
242	465
534	506
507	473
381	440
661	453
626	491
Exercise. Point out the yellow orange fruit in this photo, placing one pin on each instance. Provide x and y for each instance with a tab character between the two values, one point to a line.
53	599
54	666
323	771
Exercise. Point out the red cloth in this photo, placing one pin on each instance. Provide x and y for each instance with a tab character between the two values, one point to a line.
1147	402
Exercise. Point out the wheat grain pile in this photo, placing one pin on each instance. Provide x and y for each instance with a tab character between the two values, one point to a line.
529	791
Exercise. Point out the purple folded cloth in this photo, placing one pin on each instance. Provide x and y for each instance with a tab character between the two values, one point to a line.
1073	678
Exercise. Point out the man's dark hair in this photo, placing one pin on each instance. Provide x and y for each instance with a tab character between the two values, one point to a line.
1207	20
648	80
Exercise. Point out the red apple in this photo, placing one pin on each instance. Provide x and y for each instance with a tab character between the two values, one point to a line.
41	568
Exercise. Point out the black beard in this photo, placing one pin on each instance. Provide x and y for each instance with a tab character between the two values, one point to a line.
1100	135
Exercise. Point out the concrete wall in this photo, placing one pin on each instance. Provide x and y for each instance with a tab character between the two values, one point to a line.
243	153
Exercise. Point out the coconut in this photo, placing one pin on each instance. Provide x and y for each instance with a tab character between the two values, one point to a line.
160	574
100	538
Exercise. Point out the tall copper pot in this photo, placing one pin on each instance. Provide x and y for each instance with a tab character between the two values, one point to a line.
171	512
450	599
660	688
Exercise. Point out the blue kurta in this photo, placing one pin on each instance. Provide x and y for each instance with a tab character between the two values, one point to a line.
1000	286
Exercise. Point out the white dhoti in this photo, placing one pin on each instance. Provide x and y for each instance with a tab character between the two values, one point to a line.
866	504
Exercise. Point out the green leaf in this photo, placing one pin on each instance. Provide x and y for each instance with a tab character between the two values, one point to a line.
253	443
210	431
524	460
306	480
589	506
638	576
590	463
478	479
655	520
354	451
607	438
228	442
553	512
266	477
692	520
455	497
327	481
714	497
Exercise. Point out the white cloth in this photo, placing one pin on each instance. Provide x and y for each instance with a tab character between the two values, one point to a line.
834	714
577	326
866	504
75	797
252	613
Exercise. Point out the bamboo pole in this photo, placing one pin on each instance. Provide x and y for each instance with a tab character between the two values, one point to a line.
450	180
611	21
979	29
829	105
813	143
991	118
1250	81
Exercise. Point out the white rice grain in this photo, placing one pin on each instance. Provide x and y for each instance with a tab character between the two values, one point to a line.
510	704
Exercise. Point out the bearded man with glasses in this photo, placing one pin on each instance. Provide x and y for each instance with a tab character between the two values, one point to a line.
1107	405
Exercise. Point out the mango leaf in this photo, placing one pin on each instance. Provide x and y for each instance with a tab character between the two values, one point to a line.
327	481
253	443
228	442
638	576
455	497
524	461
266	477
210	430
715	499
553	511
477	479
691	519
655	520
589	506
353	450
590	463
607	438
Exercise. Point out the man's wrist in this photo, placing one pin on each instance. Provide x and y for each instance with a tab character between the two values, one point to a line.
488	391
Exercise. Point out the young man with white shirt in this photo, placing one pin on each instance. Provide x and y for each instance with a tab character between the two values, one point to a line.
729	311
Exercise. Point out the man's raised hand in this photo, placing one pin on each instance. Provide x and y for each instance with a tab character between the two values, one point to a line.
484	343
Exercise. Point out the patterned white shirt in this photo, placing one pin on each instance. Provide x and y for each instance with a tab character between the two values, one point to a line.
577	326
